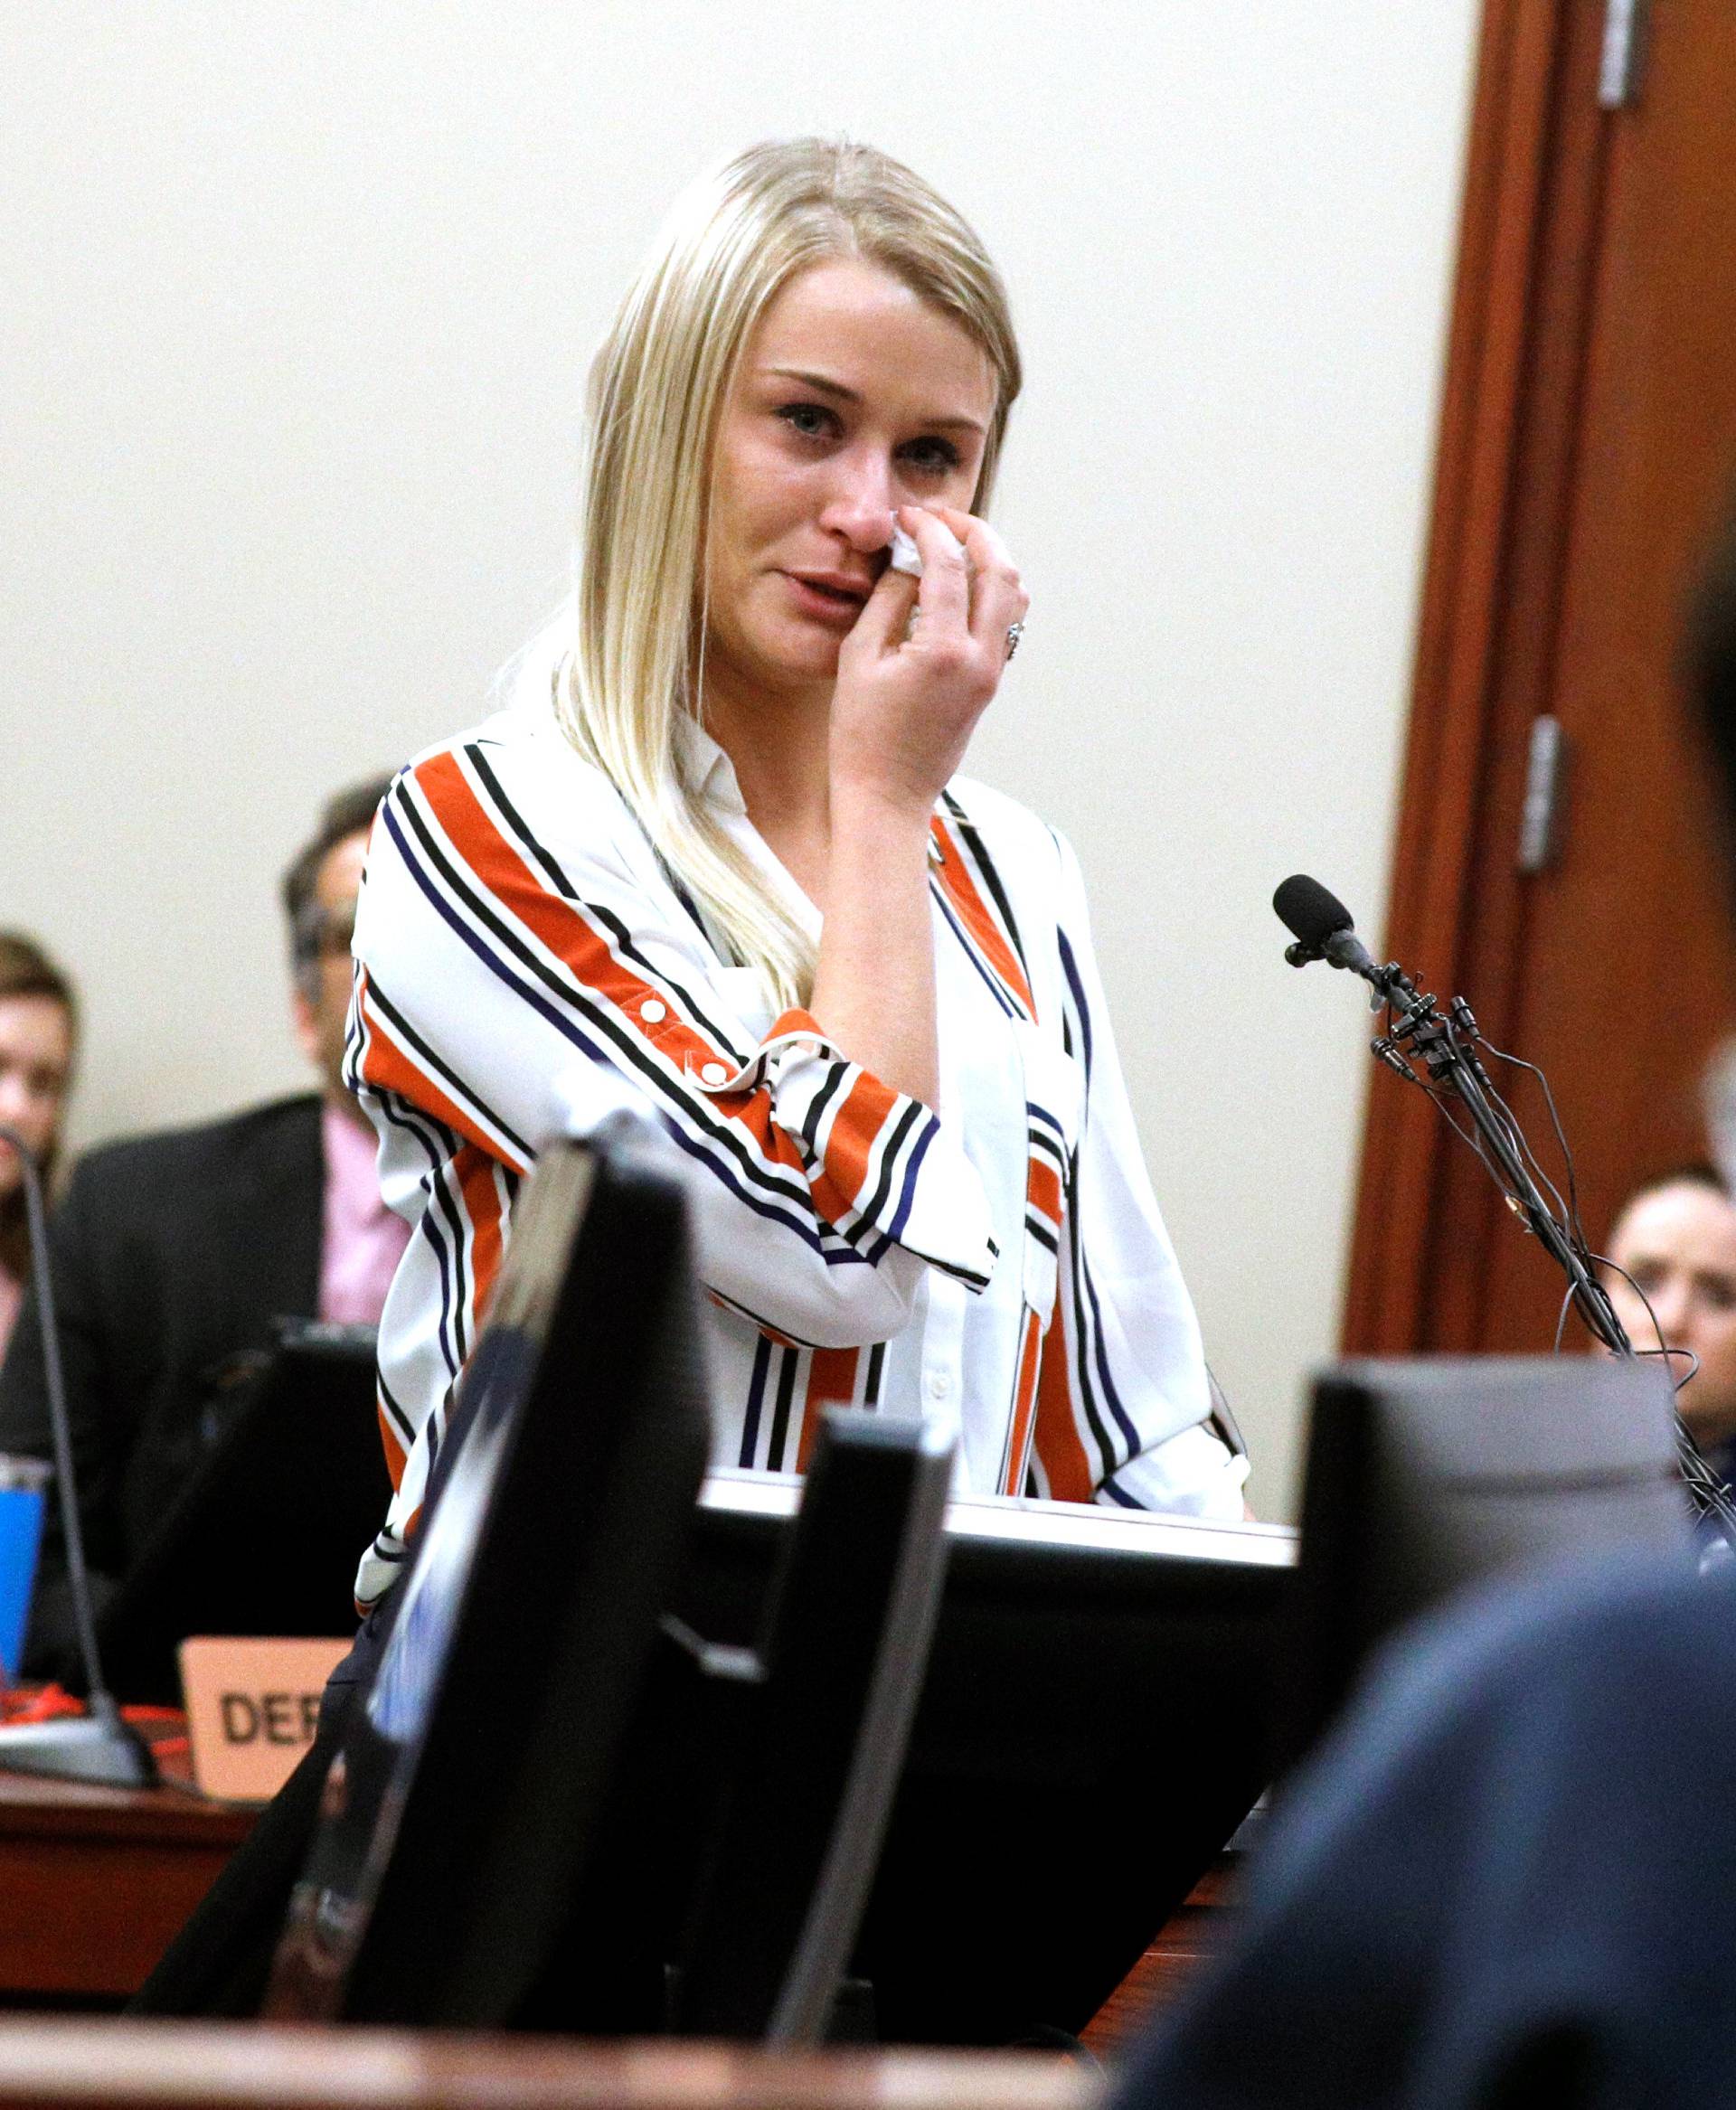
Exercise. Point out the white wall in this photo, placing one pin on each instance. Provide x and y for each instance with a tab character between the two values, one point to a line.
298	303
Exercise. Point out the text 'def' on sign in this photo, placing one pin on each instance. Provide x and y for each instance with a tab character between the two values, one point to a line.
253	1708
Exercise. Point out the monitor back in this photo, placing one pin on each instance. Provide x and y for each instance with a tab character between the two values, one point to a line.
266	1536
463	1808
1427	1474
811	1778
1093	1725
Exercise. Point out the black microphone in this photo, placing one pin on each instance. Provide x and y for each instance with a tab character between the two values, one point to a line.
1322	927
97	1745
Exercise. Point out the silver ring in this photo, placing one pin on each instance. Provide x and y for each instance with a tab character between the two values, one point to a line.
1015	631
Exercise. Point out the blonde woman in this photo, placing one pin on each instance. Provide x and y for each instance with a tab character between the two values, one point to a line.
716	853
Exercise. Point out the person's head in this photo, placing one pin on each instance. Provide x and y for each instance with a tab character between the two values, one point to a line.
319	890
38	1035
1672	1245
866	275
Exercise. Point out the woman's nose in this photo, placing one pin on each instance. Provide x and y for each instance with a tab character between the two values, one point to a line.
859	506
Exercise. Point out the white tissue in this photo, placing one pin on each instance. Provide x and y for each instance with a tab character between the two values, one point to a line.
906	557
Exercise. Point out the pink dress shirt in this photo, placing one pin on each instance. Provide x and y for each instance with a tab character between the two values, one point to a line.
363	1240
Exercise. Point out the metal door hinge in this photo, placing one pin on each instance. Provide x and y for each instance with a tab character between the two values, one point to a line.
1540	824
1624	54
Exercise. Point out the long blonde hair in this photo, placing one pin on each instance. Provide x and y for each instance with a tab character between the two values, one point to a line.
657	388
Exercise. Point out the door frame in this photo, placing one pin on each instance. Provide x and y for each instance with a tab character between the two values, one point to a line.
1520	327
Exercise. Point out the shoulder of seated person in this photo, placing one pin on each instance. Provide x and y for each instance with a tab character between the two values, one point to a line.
168	1155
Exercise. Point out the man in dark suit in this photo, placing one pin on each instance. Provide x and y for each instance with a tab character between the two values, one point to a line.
174	1254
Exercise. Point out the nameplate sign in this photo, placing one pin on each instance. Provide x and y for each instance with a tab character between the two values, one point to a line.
252	1708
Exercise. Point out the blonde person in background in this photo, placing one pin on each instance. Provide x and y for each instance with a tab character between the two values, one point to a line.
716	854
38	1035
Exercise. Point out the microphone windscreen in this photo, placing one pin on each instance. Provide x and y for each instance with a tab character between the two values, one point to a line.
1308	911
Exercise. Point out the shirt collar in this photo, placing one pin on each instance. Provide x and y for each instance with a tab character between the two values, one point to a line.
705	766
708	768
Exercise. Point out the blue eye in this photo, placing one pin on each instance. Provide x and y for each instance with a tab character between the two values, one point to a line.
932	456
812	420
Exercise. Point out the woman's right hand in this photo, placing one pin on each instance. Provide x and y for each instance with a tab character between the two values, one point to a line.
909	693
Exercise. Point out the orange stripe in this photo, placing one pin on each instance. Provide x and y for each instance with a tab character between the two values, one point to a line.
1065	1464
1042	1189
395	1452
1024	1400
855	1127
974	913
476	1175
567	933
753	1110
387	1065
831	1382
563	929
794	1020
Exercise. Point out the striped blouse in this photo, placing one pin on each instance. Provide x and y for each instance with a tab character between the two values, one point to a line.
524	961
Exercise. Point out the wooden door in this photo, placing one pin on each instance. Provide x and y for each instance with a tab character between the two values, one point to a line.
1589	439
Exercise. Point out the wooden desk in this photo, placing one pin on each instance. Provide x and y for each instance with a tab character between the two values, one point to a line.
1190	1940
95	1882
247	2066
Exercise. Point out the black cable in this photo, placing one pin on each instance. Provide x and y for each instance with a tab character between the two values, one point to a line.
1663	1348
36	1215
1519	1063
1448	1110
1528	1187
1696	1470
1559	1211
1563	1215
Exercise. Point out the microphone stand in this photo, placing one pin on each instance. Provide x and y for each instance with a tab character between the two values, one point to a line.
1446	1048
96	1746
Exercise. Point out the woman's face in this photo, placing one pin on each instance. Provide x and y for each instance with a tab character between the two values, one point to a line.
853	398
35	1064
1678	1242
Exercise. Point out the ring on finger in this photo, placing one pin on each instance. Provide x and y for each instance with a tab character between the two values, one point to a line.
1015	631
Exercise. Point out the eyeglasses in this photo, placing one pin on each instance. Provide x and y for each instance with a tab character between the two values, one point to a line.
324	933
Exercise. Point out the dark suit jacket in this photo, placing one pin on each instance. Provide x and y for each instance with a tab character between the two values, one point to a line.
170	1255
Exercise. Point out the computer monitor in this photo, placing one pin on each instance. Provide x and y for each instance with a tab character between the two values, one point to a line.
264	1538
1426	1474
1095	1723
791	1853
465	1802
483	1857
